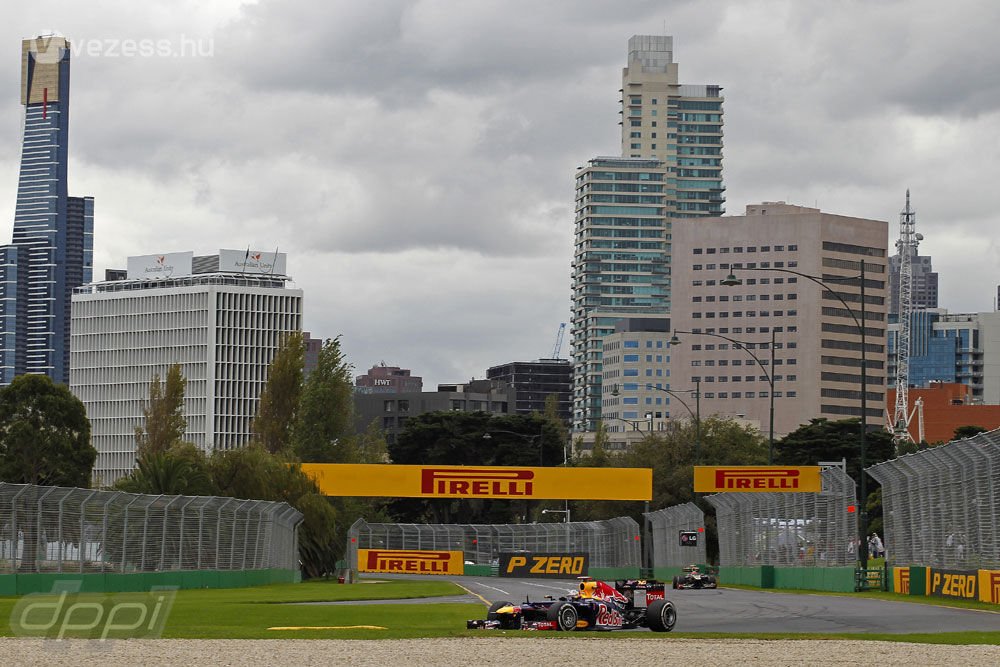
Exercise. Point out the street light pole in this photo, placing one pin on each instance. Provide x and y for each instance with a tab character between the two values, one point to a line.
769	376
732	280
695	414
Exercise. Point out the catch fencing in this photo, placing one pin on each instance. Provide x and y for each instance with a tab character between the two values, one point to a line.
941	506
611	543
789	529
665	528
57	529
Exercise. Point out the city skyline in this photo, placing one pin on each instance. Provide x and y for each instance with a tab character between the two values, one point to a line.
416	162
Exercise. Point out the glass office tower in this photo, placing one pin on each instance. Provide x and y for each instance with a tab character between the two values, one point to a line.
52	248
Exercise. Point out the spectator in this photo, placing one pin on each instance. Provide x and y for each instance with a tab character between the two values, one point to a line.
879	548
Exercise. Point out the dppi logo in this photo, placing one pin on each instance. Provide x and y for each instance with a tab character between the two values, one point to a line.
609	617
482	483
756	478
66	613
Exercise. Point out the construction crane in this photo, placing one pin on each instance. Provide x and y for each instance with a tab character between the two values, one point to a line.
559	339
906	246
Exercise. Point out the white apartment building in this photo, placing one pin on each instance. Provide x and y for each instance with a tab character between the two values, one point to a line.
221	317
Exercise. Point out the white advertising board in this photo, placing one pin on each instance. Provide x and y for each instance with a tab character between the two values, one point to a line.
164	265
256	262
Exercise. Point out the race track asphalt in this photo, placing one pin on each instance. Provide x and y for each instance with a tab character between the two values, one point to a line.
738	610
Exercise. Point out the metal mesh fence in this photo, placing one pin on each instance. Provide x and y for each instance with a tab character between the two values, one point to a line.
665	526
610	543
789	529
941	506
57	529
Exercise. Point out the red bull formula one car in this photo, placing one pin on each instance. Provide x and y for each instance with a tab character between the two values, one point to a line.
629	604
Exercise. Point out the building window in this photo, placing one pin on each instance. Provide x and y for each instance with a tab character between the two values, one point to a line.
387	406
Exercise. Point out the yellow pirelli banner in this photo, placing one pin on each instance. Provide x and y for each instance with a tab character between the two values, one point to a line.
410	561
510	483
989	586
757	479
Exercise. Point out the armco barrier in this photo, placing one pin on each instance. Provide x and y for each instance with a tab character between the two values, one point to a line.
22	584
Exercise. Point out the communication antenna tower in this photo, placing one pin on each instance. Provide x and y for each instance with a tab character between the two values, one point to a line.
906	246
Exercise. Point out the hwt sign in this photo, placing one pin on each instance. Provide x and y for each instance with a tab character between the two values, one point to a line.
757	479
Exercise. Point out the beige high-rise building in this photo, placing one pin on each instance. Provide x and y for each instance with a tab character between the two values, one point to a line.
815	361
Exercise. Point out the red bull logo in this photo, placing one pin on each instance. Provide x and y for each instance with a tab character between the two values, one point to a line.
609	617
487	483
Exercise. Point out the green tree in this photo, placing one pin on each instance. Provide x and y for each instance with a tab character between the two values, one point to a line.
825	440
281	396
371	445
254	473
182	470
45	440
44	434
325	417
968	431
457	438
164	424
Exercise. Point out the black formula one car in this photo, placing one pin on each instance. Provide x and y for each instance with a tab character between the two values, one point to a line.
629	604
693	578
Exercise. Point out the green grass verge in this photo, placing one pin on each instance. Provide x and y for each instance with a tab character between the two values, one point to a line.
881	595
247	613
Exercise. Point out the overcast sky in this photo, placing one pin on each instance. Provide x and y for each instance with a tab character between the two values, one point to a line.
416	159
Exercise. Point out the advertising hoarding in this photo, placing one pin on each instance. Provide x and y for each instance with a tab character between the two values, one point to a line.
163	265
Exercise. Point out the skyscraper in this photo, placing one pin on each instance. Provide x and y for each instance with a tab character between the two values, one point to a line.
52	248
924	290
671	168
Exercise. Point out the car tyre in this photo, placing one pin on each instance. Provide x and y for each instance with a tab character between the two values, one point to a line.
676	582
710	582
661	616
565	616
